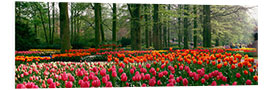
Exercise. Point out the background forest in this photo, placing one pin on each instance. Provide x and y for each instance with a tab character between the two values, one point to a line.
133	26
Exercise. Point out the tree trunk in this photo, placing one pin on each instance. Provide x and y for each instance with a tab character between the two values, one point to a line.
49	25
114	22
53	22
186	36
101	24
195	27
134	10
43	23
168	29
156	27
97	24
71	22
180	28
206	26
146	9
64	27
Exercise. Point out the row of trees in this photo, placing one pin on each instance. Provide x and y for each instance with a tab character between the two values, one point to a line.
162	25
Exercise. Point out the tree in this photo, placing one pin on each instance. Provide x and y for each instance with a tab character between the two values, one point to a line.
179	25
206	26
195	26
114	22
49	20
53	22
156	27
42	21
186	37
146	18
97	24
64	27
135	26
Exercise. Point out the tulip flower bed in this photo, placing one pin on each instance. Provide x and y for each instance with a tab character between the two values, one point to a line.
173	68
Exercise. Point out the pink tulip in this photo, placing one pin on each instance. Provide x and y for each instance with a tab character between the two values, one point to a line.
170	84
159	82
238	75
64	76
124	77
69	84
131	71
248	82
20	86
103	72
49	81
71	78
152	82
104	79
114	74
85	78
171	76
143	85
206	77
202	80
108	84
214	83
181	68
86	84
185	82
160	74
147	76
52	85
148	65
224	79
234	83
120	70
96	83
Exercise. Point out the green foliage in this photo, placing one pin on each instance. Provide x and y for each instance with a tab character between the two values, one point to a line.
24	38
125	41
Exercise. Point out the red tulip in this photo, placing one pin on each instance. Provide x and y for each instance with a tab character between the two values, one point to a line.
103	72
255	78
96	83
246	72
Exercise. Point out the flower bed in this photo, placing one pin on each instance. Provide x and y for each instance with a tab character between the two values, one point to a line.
174	68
